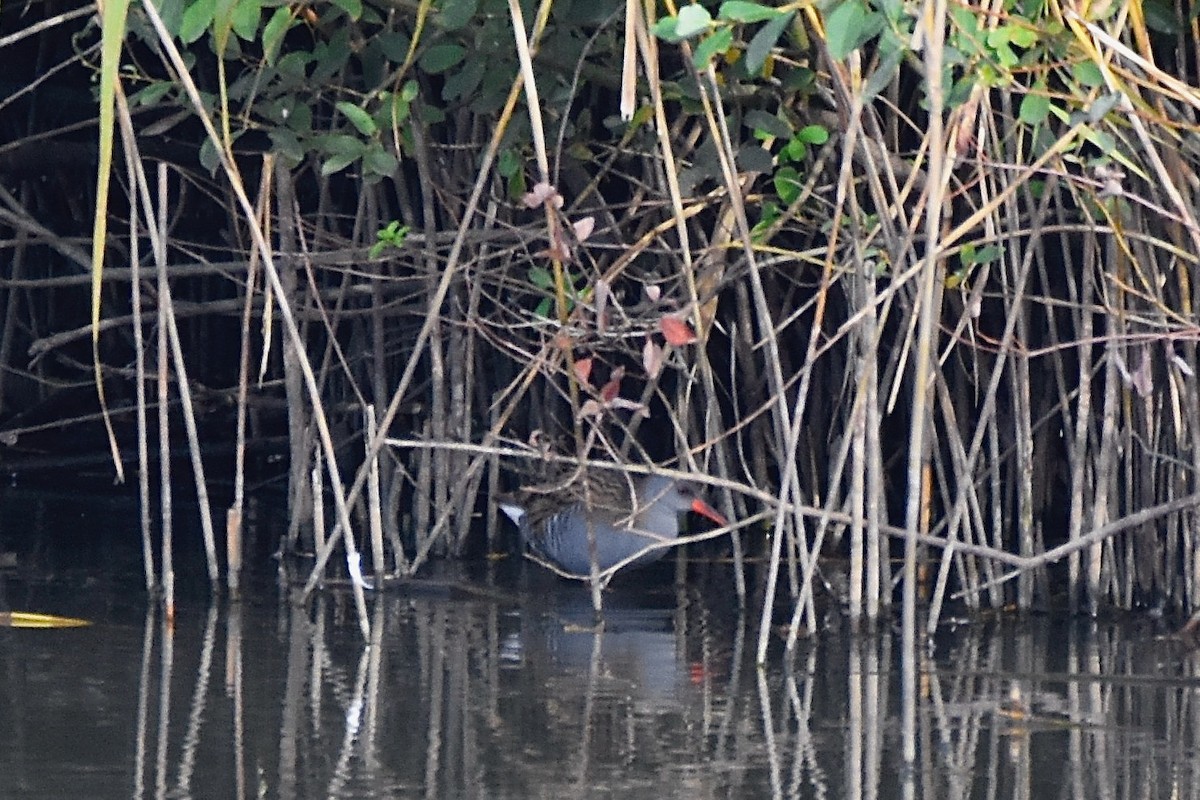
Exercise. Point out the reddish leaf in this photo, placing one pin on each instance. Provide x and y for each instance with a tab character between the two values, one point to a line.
583	369
610	390
676	331
1112	179
542	193
602	294
964	140
1143	377
636	408
590	408
652	358
584	227
558	249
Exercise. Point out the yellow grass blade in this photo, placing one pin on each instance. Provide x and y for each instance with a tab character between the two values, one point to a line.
25	619
112	36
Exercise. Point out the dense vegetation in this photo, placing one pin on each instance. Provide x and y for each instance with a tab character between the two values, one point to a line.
874	267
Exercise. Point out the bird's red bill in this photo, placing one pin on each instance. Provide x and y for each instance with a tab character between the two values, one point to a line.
708	512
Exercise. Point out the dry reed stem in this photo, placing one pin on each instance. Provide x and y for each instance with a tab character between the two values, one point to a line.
143	446
1015	356
374	504
433	309
172	53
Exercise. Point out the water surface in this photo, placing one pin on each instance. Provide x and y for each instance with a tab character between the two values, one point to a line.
492	681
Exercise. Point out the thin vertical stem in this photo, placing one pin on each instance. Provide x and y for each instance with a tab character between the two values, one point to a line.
139	346
374	507
931	30
185	394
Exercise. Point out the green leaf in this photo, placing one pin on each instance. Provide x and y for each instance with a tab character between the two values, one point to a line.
988	253
408	92
770	213
967	254
358	118
1035	107
762	43
286	144
693	19
1007	58
245	19
1088	74
456	14
392	111
795	150
1102	139
391	236
813	134
759	120
752	158
800	79
1160	16
353	8
508	163
378	161
968	38
787	184
742	11
276	28
332	55
842	28
665	29
641	117
294	65
223	23
464	82
394	45
883	75
337	163
210	159
894	11
299	119
1022	36
516	185
718	42
196	20
171	12
441	57
541	278
151	94
342	143
1104	104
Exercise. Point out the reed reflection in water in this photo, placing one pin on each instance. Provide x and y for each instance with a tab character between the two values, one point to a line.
505	689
